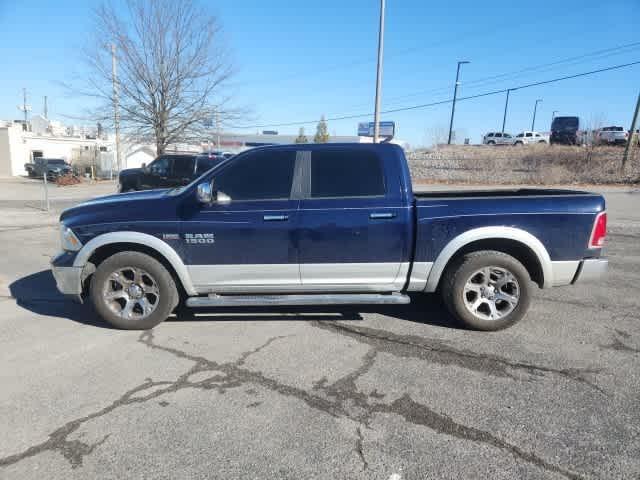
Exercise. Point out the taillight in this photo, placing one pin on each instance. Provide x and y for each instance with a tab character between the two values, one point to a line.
599	231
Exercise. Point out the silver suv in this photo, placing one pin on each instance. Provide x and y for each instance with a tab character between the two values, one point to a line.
611	136
498	138
529	137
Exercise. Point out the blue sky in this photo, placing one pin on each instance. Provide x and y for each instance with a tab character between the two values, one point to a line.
298	60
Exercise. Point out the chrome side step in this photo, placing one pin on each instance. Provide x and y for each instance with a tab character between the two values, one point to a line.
214	300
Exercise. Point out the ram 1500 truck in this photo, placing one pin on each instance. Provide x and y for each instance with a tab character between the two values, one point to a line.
325	224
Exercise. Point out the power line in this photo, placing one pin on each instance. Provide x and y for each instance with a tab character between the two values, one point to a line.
442	102
597	54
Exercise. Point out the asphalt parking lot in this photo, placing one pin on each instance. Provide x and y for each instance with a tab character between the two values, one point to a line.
378	393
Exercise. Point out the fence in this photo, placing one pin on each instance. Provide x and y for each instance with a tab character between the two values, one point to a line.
92	161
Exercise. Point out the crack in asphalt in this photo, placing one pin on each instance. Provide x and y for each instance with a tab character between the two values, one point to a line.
359	449
339	399
442	353
419	414
75	450
619	345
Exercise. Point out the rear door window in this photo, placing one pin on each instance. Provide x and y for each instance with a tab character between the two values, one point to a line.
183	166
346	173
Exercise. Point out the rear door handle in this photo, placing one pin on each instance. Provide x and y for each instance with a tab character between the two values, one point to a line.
276	218
379	216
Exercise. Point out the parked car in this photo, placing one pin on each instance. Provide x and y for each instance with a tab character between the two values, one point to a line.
566	131
528	137
498	138
170	170
322	224
611	136
54	167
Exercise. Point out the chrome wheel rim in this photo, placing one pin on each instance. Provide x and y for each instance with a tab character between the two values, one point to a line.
131	293
491	293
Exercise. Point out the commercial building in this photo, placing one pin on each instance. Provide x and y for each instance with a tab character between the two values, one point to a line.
20	144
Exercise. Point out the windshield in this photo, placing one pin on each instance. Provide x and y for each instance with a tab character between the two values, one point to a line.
55	161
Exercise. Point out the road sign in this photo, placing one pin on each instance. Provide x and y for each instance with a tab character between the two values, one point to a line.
387	129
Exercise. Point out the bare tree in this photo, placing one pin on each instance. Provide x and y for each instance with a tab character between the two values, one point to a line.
173	69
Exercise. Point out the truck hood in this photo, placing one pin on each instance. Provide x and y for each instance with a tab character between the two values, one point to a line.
119	202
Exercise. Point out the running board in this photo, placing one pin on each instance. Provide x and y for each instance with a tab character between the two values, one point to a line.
214	300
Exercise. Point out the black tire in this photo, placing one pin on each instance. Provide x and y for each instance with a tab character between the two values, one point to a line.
491	142
457	276
154	274
518	144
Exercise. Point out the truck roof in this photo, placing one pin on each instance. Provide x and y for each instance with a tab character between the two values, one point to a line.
328	146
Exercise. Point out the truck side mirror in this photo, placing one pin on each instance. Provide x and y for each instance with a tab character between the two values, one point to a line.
205	192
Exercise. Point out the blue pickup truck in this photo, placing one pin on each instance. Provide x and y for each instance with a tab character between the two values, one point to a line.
325	224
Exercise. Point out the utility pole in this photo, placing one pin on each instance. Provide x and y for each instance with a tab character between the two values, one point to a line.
455	95
634	121
506	105
24	104
24	108
376	115
218	130
46	115
535	109
116	112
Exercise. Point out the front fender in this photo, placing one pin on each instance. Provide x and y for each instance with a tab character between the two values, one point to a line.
147	240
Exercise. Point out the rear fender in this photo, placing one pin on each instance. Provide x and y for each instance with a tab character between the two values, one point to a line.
486	233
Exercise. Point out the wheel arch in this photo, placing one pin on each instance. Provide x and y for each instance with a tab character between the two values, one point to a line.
105	245
518	243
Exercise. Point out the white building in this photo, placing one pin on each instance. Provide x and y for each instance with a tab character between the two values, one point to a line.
18	146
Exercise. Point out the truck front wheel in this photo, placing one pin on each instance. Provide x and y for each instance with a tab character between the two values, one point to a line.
487	290
133	291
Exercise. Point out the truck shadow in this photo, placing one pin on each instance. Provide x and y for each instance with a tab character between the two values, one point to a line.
38	294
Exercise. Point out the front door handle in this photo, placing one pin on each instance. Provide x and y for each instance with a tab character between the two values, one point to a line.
276	218
379	216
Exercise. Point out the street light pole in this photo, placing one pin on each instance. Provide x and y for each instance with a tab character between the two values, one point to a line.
455	95
506	104
376	115
535	109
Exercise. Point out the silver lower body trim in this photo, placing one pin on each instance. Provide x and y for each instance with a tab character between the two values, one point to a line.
564	272
591	270
305	277
319	299
419	276
68	279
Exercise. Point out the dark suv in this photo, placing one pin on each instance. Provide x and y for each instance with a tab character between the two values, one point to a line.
566	131
167	171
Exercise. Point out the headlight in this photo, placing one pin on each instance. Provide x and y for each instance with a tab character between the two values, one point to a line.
68	239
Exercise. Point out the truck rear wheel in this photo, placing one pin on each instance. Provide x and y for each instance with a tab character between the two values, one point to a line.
133	291
487	290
